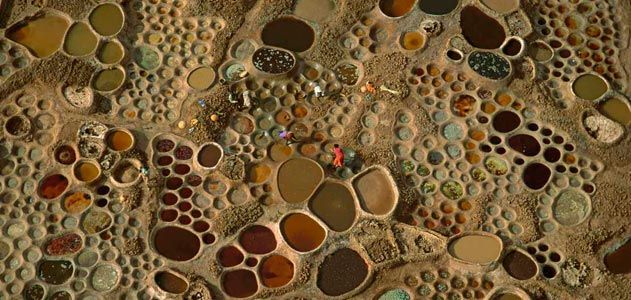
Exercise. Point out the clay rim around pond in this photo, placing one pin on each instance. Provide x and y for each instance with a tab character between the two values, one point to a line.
390	180
78	162
521	42
279	230
199	149
605	95
121	129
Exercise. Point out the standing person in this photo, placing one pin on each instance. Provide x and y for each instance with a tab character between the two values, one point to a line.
288	136
338	161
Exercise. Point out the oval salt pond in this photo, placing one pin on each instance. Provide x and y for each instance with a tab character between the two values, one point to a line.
76	202
396	8
395	294
412	40
480	30
536	176
230	256
34	292
288	33
170	282
107	19
617	110
55	271
273	61
341	272
87	171
618	261
489	65
512	47
108	80
540	51
176	243
80	40
210	155
53	186
298	178
276	271
476	248
438	7
571	207
120	140
96	221
239	283
302	232
111	52
520	265
524	144
201	78
258	239
501	6
376	192
333	203
589	86
506	121
42	34
348	73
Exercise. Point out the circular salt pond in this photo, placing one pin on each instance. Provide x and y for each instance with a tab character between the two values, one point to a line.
333	203
589	87
111	52
476	248
53	186
506	121
65	155
87	171
176	243
479	29
376	192
396	8
108	80
412	40
80	40
210	155
302	232
18	126
524	144
341	272
536	176
298	178
438	7
201	78
120	140
230	256
288	33
571	207
276	271
107	19
489	65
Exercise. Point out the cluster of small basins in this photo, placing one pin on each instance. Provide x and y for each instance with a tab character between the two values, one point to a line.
175	162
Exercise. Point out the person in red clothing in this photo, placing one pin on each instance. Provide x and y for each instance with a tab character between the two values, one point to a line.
338	161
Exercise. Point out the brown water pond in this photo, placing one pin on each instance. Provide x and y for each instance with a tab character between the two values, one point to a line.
376	192
239	283
258	239
298	178
589	87
524	144
229	256
396	8
107	19
276	271
288	33
209	155
42	35
80	40
170	282
520	265
536	176
480	30
119	140
302	232
616	109
619	260
438	7
176	243
476	248
333	203
53	186
506	121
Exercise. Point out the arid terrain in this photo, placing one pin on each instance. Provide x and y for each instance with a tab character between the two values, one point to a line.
186	149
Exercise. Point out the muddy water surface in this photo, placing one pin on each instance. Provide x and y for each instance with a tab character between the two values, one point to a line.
476	248
176	243
80	40
107	19
302	232
276	271
480	30
333	203
376	192
619	260
617	110
42	35
438	7
589	87
298	178
288	33
341	272
396	8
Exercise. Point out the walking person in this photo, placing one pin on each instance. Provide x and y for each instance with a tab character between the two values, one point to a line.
338	160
